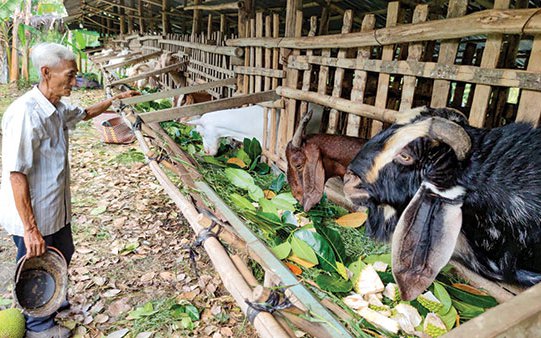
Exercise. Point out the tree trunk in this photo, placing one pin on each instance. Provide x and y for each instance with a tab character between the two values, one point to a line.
26	47
14	66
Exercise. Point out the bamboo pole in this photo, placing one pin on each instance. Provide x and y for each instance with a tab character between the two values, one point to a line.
134	60
222	50
512	21
217	7
147	74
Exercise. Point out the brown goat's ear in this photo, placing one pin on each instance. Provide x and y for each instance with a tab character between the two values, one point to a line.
313	177
425	237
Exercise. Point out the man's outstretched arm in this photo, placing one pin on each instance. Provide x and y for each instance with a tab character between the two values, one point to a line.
100	107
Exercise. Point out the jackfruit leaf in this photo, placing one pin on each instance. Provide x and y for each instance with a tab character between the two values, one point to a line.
241	154
261	168
302	250
241	202
271	219
422	310
187	323
239	178
322	248
142	311
333	283
191	149
341	268
267	206
469	298
467	311
386	277
355	268
185	309
285	201
443	297
98	210
129	248
278	183
385	258
212	160
301	262
294	268
353	220
237	161
281	251
288	217
470	289
252	148
334	239
449	318
269	194
255	193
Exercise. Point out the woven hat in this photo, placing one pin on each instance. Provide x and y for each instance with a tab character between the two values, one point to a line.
41	283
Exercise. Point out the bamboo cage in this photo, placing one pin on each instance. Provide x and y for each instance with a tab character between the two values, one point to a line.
486	63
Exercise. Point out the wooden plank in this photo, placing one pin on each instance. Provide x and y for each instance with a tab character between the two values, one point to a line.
345	105
220	70
491	56
529	108
307	74
252	57
148	74
267	84
415	52
521	21
334	115
134	60
267	72
447	55
359	78
178	91
222	50
383	79
103	59
207	107
246	78
495	77
274	83
258	50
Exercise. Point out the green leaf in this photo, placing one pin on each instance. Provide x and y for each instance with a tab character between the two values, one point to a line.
262	168
284	201
334	239
333	283
192	312
267	206
356	268
98	210
143	311
288	217
449	318
239	178
5	301
467	311
282	251
303	250
278	183
469	298
324	252
187	323
385	258
129	248
252	148
255	193
241	202
443	297
241	154
212	160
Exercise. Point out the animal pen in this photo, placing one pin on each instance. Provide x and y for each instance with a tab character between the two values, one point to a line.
482	58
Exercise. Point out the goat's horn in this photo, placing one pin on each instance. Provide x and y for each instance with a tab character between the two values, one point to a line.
297	137
452	134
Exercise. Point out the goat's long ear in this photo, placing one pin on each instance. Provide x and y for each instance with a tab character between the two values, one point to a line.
313	178
425	237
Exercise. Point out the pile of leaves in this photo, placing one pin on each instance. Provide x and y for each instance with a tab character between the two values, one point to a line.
327	245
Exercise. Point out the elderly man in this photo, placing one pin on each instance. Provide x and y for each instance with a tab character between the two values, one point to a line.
35	204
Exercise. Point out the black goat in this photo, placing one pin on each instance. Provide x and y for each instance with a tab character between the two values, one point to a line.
450	189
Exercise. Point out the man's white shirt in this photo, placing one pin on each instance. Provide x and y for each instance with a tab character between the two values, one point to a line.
35	143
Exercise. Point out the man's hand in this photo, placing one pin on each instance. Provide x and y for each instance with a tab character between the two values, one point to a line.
34	243
127	94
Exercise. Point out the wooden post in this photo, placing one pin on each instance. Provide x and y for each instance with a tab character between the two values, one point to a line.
387	55
324	21
447	55
359	79
258	50
491	56
209	26
529	107
140	13
165	22
246	12
196	25
14	67
223	28
307	75
267	85
130	17
334	116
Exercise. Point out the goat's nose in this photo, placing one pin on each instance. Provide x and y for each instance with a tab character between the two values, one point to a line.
352	188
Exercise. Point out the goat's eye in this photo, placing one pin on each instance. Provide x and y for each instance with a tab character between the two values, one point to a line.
404	158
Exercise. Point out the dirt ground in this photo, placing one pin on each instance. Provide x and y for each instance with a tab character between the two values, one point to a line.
129	241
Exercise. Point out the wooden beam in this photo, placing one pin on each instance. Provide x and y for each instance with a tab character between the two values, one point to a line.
147	74
512	21
222	50
134	60
207	107
196	22
277	73
179	91
529	108
140	12
218	7
165	22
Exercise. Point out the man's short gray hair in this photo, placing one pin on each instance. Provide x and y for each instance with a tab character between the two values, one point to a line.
50	54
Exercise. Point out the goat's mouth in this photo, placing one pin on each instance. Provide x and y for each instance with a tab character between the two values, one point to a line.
353	191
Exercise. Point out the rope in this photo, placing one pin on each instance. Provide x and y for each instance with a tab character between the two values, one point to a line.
201	237
271	305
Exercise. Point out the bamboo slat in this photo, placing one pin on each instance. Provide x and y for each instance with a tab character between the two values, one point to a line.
491	56
334	115
267	84
307	74
267	72
258	50
222	50
529	109
386	55
132	61
147	74
274	83
359	79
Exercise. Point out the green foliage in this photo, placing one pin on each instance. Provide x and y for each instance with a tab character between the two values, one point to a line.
333	283
130	156
7	8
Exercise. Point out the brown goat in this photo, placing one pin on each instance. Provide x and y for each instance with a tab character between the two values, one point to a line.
313	159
